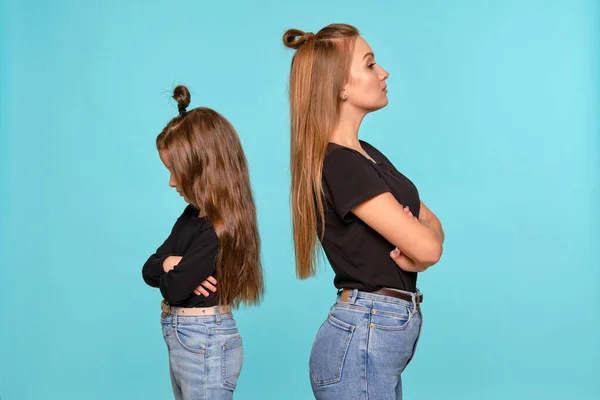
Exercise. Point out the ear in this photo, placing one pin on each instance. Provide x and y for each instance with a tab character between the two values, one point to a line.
344	93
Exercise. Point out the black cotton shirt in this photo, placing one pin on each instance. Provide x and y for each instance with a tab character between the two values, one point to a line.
358	254
195	240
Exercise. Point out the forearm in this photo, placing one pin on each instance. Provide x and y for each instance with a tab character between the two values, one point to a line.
417	266
436	226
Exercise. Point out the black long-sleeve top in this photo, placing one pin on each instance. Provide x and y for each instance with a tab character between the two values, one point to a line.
194	239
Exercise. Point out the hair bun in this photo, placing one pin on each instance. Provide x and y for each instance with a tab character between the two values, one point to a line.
295	38
182	96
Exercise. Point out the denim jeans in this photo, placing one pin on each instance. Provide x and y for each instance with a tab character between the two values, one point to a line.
205	356
362	348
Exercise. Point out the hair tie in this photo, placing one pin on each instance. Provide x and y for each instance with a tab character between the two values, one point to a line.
308	36
181	109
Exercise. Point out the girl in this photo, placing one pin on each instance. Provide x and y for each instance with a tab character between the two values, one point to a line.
217	235
375	231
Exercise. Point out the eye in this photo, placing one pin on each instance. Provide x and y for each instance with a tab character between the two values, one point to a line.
371	65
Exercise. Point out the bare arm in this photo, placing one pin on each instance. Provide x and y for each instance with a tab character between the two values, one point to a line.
405	262
426	216
417	241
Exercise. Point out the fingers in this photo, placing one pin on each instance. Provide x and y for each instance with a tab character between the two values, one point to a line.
397	256
410	214
200	291
207	284
401	260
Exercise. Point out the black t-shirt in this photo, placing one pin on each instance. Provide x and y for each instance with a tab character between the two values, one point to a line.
195	240
358	254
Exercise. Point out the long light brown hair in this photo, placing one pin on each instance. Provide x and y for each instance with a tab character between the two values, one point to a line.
210	167
320	69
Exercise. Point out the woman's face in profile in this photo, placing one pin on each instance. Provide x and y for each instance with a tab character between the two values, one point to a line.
366	88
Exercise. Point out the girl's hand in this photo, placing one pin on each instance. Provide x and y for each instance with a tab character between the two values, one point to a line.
207	284
170	262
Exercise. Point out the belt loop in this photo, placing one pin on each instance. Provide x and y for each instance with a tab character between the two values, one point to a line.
173	311
217	315
414	300
352	296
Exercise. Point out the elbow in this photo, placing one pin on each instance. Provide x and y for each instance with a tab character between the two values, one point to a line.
148	277
431	254
152	282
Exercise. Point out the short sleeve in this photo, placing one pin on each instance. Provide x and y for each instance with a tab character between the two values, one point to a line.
350	179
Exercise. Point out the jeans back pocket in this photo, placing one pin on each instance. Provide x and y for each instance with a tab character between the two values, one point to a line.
329	351
231	362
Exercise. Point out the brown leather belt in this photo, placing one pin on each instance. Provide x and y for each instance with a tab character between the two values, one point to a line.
387	292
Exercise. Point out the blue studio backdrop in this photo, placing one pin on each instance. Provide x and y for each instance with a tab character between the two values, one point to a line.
493	113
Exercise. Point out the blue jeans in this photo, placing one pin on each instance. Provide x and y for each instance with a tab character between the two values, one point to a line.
363	347
205	356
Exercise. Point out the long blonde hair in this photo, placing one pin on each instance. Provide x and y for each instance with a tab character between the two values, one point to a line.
210	166
320	69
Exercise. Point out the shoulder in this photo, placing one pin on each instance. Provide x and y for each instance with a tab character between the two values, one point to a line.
202	231
200	223
337	156
373	151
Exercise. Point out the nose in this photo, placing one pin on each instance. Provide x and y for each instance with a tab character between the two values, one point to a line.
384	74
172	181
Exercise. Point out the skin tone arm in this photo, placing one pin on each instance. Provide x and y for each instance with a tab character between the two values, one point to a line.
425	217
209	284
419	244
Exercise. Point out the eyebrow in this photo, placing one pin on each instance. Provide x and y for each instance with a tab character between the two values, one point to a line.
369	54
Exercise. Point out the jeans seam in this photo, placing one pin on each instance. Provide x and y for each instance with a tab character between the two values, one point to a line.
416	340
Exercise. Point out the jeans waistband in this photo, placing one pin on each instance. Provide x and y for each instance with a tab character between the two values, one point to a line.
356	294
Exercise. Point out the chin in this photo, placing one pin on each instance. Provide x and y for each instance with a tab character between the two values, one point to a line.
379	106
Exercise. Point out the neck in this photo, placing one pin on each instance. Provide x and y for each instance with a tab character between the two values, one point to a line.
346	131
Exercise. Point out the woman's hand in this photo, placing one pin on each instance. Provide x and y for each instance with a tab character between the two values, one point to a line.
207	284
407	212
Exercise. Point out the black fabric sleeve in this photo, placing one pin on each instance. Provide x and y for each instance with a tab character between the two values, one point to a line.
350	179
153	268
197	263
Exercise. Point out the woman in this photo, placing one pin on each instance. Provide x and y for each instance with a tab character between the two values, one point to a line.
375	231
217	235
